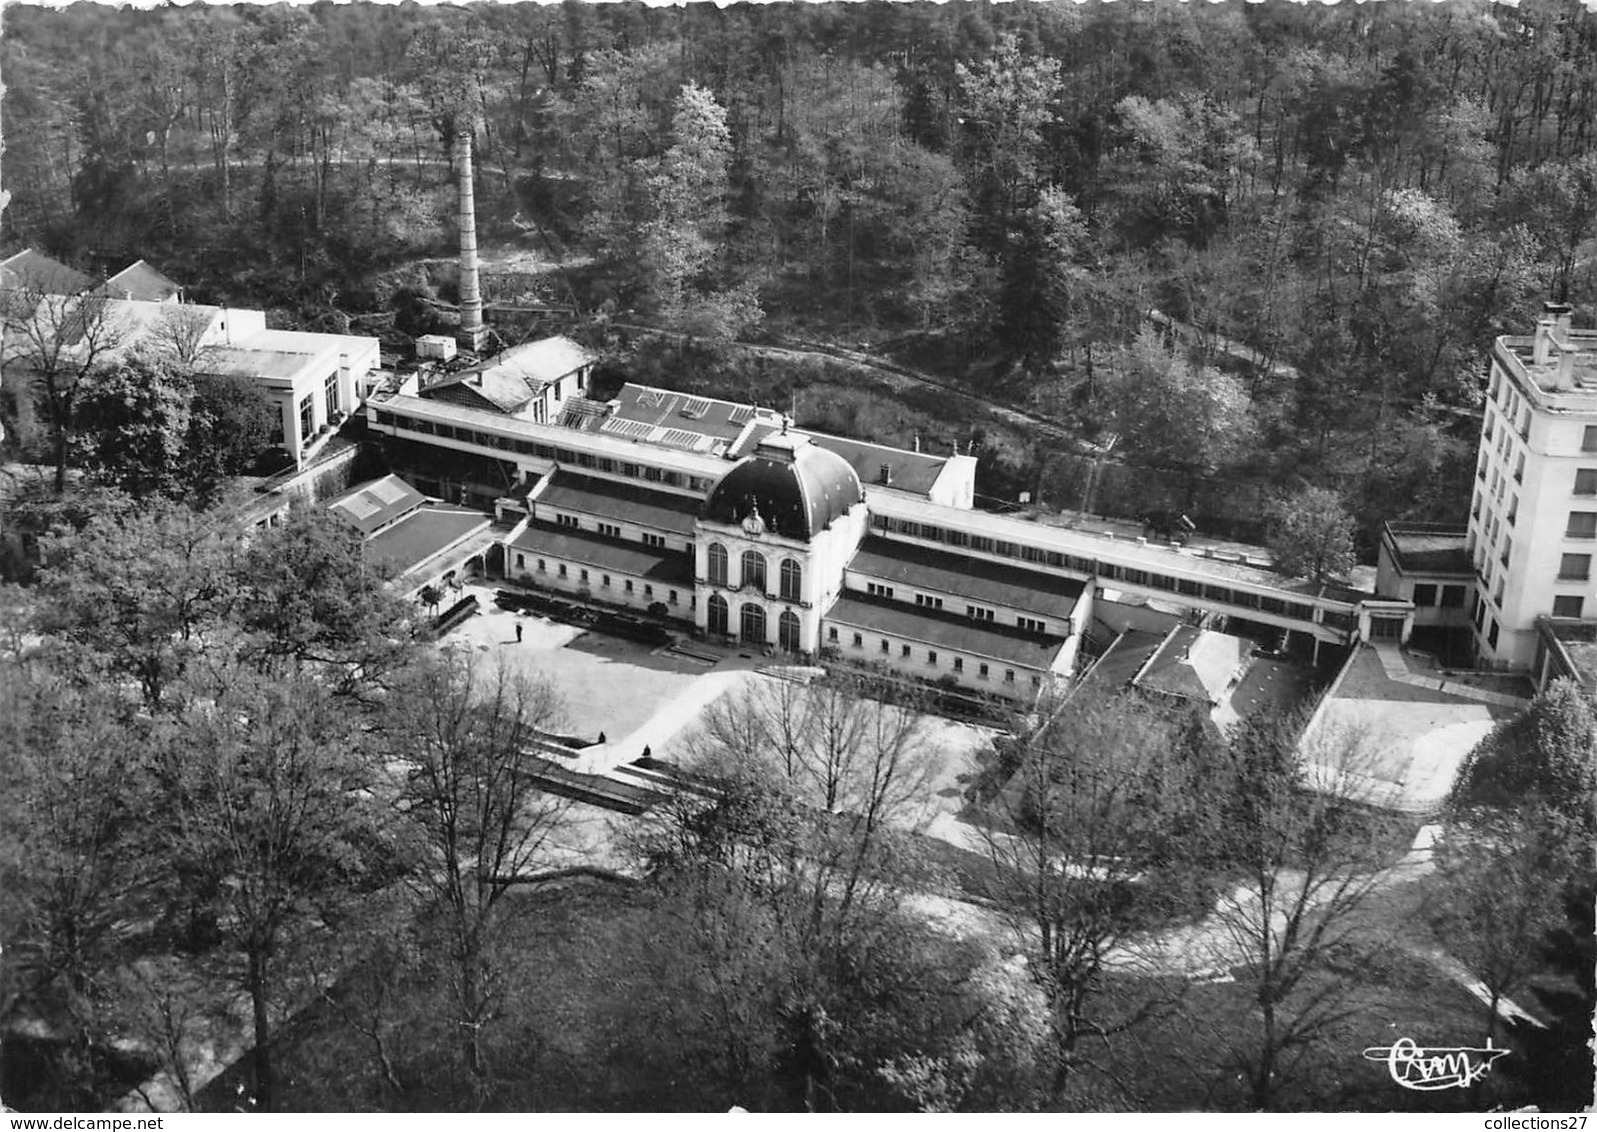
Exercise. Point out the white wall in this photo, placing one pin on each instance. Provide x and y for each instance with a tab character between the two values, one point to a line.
822	560
1027	684
644	592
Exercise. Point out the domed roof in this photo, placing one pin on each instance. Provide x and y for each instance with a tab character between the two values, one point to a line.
793	487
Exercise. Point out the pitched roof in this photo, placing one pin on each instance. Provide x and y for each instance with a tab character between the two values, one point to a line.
908	471
620	502
544	361
139	280
957	634
1124	659
633	558
1195	664
35	271
979	580
476	391
509	380
687	412
428	530
375	505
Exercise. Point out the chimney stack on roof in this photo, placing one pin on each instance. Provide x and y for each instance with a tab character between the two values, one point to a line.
472	331
1552	330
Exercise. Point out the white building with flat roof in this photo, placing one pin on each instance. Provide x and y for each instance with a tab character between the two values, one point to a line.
1533	520
314	380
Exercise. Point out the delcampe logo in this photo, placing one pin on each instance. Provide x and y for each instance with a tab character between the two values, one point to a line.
1428	1069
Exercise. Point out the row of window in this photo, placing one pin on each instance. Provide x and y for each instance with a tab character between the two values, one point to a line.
974	612
906	652
566	456
1513	406
609	530
752	623
1499	480
1109	571
1571	568
790	573
1564	605
584	577
1426	594
1569	605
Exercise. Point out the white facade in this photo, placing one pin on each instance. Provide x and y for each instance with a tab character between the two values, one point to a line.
741	568
1533	519
965	668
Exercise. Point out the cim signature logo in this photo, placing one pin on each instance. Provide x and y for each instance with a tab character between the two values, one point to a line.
1429	1069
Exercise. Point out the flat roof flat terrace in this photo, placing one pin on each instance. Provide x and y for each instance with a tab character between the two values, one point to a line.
909	517
1410	738
1426	548
277	366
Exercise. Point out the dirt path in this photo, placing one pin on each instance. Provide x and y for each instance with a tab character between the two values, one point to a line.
1209	950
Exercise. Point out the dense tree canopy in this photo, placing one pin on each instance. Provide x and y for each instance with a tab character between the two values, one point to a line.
1340	205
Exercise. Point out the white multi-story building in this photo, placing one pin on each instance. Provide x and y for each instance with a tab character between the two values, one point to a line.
313	380
1532	531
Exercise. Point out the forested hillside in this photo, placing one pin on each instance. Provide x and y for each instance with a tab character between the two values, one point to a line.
1343	205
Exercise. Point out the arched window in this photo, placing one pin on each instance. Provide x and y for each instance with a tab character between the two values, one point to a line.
754	569
792	579
717	558
787	631
717	609
753	624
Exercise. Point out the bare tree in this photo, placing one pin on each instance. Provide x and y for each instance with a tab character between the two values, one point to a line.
51	344
1298	829
853	747
179	335
794	871
474	818
1093	841
169	1017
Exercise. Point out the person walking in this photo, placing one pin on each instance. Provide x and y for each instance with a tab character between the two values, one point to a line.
518	632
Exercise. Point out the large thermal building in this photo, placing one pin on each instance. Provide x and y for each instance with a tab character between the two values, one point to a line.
750	532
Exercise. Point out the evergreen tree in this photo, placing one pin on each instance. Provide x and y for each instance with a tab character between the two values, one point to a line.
1554	1064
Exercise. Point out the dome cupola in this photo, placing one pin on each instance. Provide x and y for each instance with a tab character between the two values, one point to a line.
787	487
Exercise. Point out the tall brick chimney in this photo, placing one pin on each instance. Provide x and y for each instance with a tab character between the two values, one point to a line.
472	333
